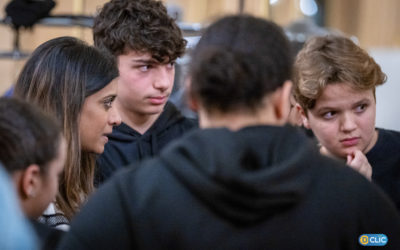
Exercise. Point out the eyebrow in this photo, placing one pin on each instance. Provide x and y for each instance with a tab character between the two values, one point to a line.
324	109
362	101
152	61
328	108
144	61
108	97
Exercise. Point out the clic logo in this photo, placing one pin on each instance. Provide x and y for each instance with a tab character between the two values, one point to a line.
373	239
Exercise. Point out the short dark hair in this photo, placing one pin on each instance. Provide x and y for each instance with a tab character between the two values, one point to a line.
142	26
238	60
27	136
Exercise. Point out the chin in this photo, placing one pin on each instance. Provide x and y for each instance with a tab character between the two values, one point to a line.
98	150
155	111
343	153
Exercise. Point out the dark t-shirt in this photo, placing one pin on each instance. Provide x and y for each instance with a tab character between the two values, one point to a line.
384	158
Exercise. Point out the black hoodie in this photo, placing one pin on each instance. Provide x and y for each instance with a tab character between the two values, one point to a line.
258	188
127	146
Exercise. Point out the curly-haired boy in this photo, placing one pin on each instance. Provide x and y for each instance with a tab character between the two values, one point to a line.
146	41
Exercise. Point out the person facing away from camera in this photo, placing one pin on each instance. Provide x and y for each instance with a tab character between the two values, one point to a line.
75	83
245	180
335	88
146	43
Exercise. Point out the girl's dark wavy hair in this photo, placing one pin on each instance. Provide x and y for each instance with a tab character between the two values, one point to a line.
58	77
142	26
237	62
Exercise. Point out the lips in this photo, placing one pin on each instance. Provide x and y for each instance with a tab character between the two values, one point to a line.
157	100
105	138
349	142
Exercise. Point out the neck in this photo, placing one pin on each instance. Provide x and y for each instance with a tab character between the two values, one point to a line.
238	119
374	139
272	110
139	122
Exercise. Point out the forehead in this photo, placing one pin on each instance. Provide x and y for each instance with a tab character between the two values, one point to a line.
133	54
130	52
109	89
139	56
342	94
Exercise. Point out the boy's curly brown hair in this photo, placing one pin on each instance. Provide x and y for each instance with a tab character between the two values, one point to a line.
142	25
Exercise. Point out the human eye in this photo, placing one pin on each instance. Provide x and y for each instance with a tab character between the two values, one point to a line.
144	68
108	102
360	108
329	115
171	65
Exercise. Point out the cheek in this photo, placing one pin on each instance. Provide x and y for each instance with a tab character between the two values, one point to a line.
85	130
172	78
131	86
48	192
91	129
367	123
54	187
325	132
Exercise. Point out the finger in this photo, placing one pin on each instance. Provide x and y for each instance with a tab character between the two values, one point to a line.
349	159
361	161
358	161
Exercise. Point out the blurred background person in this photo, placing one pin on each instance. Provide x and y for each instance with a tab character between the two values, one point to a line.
33	151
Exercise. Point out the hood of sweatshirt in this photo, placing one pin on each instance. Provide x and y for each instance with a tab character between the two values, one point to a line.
168	118
245	175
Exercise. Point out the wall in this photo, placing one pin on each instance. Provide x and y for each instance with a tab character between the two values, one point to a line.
32	38
373	22
387	95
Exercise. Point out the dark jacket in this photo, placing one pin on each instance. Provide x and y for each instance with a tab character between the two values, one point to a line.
258	188
127	146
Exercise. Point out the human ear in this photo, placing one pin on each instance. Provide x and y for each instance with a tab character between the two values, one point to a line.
190	98
193	103
304	117
31	181
282	107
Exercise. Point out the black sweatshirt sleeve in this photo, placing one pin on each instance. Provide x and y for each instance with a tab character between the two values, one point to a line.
101	224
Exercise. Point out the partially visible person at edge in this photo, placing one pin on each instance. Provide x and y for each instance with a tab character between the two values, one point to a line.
15	232
145	42
76	83
335	88
244	180
33	151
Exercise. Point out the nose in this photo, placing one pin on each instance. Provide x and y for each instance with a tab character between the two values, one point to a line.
164	78
348	122
114	119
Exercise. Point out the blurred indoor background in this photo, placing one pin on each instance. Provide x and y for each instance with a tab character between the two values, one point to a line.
372	23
